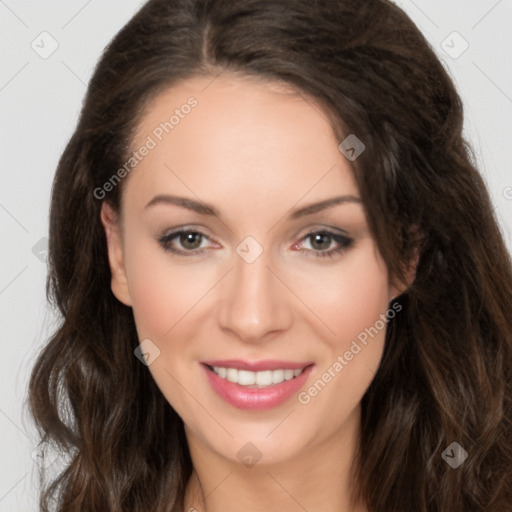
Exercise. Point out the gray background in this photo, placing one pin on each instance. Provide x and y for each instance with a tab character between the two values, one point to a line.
40	97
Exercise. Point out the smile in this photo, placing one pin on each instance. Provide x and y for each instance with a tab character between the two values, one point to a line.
261	379
256	386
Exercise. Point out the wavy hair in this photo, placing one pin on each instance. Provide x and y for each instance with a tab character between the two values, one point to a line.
446	372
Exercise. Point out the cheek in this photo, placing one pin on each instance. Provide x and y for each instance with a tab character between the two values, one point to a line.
360	297
350	301
365	295
163	296
162	291
349	296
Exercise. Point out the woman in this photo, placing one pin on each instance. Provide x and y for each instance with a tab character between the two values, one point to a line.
281	281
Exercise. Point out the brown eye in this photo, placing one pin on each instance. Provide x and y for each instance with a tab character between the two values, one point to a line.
190	240
320	241
324	244
184	242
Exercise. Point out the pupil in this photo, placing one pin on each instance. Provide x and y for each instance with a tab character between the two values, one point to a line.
189	240
321	241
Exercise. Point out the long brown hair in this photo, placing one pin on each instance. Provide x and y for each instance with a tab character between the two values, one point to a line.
446	373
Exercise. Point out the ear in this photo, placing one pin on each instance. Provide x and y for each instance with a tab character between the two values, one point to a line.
397	289
119	282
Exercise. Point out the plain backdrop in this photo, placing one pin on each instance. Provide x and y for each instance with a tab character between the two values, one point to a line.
48	52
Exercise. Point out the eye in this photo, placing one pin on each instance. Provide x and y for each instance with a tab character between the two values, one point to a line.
324	244
189	240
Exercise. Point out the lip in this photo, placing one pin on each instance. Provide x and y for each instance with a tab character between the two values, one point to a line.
243	397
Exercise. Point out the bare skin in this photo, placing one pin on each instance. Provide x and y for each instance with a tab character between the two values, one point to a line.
255	152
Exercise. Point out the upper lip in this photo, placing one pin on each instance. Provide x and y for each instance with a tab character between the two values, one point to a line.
258	366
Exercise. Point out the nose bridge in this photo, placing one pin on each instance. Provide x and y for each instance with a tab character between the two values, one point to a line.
252	303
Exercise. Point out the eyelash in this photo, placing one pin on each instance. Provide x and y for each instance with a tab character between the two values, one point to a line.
343	241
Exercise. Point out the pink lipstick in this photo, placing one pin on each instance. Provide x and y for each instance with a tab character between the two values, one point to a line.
256	385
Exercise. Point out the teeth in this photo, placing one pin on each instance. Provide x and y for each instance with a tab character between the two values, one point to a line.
244	378
256	379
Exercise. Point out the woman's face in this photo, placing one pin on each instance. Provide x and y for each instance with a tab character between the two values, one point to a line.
272	275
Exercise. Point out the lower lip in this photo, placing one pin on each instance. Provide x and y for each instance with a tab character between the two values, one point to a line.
244	397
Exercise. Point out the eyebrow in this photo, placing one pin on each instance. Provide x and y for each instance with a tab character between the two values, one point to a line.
184	202
206	209
322	205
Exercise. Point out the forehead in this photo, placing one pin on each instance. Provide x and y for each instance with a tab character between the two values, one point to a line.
235	139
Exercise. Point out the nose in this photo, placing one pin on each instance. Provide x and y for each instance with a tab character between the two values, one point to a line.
254	304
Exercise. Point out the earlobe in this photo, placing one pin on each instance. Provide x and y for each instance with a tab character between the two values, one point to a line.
119	281
398	289
410	274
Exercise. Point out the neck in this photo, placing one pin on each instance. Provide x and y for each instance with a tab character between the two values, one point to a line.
319	478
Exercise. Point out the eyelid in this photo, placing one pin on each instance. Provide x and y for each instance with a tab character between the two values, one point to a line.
319	228
340	236
167	237
342	239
